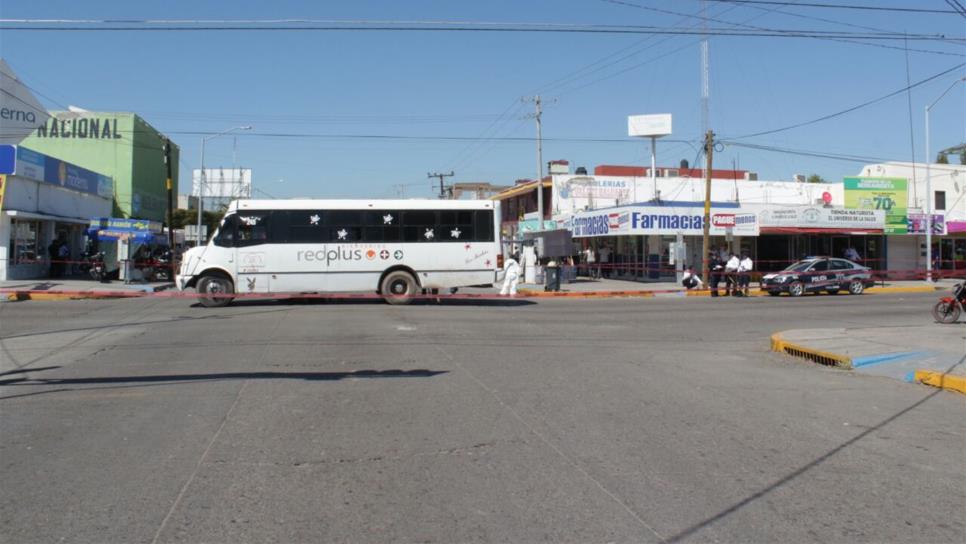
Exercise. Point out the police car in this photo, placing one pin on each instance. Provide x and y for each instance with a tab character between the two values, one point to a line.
819	274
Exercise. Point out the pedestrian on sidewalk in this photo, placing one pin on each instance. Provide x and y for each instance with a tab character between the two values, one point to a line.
745	266
690	280
511	269
591	259
716	269
605	253
63	254
852	255
731	273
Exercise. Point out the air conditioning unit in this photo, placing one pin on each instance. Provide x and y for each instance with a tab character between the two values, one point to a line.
671	172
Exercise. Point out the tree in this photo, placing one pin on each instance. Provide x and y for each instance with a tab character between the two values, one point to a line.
942	158
815	178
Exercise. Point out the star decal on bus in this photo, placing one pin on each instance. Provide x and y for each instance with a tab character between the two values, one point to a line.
429	234
342	233
455	233
387	219
314	219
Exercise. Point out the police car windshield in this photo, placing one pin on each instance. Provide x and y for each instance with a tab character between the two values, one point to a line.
799	267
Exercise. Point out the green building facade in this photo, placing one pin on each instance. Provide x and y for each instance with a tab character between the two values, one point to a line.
120	145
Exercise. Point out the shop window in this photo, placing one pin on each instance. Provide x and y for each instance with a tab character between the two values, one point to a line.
940	200
25	242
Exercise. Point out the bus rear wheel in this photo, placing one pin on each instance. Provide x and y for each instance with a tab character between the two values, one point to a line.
215	291
398	287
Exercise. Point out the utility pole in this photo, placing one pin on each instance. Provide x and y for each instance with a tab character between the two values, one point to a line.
169	185
537	115
709	149
442	188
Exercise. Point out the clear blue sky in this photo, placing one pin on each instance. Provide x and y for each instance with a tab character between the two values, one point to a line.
459	84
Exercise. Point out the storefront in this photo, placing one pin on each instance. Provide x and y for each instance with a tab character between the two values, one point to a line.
652	242
789	234
45	199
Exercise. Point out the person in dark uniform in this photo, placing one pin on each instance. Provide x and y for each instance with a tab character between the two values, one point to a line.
716	269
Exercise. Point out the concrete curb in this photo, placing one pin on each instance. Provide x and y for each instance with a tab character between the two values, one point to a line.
827	358
926	377
18	296
644	293
941	380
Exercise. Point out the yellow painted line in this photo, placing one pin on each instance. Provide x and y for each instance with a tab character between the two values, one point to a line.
941	380
917	289
780	345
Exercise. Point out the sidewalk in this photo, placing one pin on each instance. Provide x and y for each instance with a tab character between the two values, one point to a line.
934	354
606	287
74	288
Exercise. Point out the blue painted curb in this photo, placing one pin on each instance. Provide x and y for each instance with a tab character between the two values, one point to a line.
868	360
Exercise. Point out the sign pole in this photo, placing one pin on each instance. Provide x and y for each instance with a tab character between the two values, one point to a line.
706	249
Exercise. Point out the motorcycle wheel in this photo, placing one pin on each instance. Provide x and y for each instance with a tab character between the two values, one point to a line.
946	312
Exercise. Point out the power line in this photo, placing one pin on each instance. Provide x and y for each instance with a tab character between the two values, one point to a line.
838	6
508	27
853	108
960	9
775	10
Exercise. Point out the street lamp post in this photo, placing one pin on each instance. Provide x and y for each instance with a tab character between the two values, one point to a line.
928	224
201	179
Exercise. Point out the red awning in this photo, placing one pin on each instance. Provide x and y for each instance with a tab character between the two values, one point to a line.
814	230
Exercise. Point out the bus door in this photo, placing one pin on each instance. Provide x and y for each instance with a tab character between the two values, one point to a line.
251	252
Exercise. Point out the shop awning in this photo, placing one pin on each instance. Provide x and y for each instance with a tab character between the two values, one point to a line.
816	230
45	217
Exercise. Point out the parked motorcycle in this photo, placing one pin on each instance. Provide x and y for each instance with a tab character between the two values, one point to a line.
948	309
98	270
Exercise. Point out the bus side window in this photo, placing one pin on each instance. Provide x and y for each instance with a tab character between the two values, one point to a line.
226	232
251	229
484	225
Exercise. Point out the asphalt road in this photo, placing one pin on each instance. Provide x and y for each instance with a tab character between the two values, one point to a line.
646	420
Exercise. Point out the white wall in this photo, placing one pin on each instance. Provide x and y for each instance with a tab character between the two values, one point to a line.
26	195
608	191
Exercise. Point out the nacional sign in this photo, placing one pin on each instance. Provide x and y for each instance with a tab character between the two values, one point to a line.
638	220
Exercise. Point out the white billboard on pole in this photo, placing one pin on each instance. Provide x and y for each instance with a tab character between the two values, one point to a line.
20	112
228	183
656	125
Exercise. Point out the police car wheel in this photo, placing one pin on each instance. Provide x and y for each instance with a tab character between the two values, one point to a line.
856	287
796	289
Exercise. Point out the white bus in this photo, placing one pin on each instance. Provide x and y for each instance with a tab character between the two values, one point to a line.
397	248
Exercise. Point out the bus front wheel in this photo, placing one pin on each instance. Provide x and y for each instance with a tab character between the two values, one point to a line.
215	291
399	287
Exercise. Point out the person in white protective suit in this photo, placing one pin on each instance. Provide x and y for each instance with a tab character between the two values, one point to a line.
511	277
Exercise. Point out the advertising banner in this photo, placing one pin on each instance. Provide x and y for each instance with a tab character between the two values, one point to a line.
887	194
822	218
917	223
638	220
